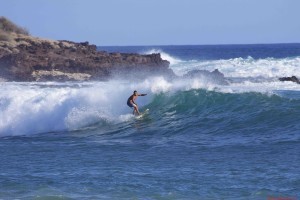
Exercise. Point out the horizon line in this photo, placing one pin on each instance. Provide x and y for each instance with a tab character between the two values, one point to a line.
226	44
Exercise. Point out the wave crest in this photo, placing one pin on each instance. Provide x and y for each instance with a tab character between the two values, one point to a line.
165	56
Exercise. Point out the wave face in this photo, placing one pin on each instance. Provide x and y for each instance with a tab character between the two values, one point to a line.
239	117
200	140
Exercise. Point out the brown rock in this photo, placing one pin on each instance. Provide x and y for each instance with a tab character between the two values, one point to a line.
22	58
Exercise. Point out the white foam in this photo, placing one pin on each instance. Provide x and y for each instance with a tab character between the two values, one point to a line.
263	87
155	84
240	67
126	117
27	108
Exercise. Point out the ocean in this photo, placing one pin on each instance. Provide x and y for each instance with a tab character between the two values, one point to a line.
200	139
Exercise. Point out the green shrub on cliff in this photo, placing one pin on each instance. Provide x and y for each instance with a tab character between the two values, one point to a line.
7	27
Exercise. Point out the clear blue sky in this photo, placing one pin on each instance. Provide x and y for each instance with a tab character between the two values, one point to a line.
159	22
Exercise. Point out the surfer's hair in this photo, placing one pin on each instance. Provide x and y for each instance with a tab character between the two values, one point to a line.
134	91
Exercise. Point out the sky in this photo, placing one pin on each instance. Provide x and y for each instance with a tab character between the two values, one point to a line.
158	22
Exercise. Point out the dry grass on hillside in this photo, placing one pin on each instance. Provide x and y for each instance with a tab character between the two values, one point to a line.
7	27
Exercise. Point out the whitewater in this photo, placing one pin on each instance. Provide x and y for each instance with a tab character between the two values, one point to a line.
200	140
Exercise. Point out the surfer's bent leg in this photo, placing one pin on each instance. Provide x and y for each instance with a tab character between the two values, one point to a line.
136	110
134	106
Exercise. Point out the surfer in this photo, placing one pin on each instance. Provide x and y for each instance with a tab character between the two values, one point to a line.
132	104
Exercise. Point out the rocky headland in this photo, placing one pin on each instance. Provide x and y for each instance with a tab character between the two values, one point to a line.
27	58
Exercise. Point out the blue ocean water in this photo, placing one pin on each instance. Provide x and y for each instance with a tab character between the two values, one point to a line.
200	140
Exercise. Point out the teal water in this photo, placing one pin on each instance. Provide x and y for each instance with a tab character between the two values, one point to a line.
200	140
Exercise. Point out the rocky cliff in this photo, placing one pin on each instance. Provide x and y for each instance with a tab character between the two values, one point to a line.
27	58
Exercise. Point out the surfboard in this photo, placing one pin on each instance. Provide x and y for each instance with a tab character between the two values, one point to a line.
142	114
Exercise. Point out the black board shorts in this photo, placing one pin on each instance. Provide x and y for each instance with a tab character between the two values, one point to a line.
131	105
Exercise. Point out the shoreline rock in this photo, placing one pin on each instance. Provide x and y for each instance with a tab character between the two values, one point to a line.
27	58
215	76
292	79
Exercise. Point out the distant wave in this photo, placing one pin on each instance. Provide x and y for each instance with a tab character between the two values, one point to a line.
236	67
240	67
165	56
